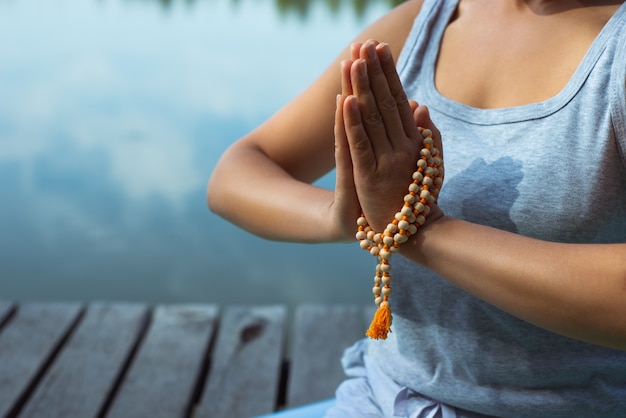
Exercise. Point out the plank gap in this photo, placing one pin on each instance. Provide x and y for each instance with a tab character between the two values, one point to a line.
7	314
246	363
117	383
45	365
281	400
203	374
162	376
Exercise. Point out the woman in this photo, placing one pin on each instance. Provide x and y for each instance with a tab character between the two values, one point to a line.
511	299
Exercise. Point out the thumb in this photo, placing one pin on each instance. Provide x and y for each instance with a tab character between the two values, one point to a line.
421	115
343	159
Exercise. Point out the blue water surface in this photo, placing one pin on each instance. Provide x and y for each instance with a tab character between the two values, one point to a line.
113	114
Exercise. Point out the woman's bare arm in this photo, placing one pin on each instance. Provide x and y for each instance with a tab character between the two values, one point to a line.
577	290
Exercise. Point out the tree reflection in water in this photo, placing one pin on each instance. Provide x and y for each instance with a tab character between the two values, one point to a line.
299	7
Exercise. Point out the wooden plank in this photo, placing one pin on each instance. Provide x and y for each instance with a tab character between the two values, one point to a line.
78	383
245	372
27	344
320	335
162	379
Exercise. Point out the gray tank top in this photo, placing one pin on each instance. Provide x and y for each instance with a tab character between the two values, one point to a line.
554	170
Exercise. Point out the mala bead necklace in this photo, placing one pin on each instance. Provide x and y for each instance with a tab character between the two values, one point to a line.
423	191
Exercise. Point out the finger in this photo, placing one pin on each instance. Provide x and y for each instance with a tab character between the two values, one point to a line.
371	118
355	50
346	82
363	52
396	89
346	202
390	110
343	161
422	118
361	148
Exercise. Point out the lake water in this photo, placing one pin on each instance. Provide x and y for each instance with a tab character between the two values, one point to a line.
112	116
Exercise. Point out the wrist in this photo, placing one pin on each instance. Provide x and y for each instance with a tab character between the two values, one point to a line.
335	220
417	247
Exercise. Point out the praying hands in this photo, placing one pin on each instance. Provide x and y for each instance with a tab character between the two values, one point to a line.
377	140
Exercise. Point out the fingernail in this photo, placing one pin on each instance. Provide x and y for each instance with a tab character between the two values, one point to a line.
385	51
337	99
353	103
371	51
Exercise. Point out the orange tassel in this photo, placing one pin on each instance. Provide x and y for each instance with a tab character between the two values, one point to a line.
381	324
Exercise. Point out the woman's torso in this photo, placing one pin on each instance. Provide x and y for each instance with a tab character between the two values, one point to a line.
552	169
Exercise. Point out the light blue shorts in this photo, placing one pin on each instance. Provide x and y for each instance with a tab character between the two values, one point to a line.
369	393
314	410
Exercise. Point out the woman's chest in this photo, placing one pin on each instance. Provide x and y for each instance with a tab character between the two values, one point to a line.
490	58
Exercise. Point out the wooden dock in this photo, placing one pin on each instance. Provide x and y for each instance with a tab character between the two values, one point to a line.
134	360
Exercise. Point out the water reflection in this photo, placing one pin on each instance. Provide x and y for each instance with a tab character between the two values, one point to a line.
300	8
303	7
112	116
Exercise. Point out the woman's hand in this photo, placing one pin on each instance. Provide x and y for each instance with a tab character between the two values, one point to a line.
345	207
380	128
